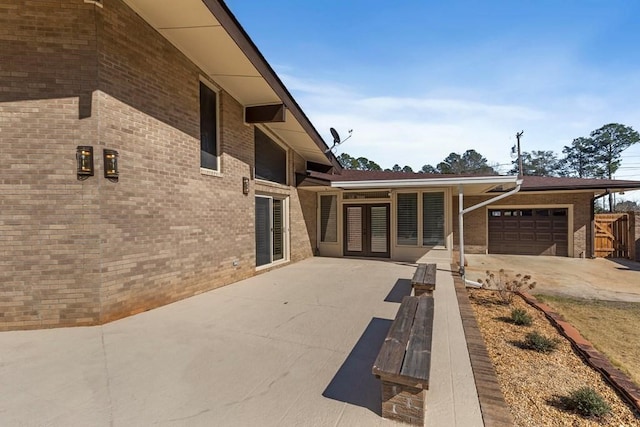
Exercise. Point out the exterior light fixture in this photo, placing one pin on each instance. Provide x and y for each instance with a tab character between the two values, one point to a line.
111	165
84	160
245	185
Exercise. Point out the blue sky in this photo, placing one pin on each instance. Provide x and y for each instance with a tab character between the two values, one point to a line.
417	80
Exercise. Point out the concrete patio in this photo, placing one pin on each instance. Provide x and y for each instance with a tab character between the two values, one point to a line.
290	347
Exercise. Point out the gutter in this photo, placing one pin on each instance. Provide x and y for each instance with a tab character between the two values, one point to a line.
421	182
472	208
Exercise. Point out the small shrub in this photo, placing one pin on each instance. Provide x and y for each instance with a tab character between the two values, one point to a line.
587	402
540	343
506	286
520	317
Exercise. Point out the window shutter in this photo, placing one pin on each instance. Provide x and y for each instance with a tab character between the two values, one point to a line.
433	219
407	211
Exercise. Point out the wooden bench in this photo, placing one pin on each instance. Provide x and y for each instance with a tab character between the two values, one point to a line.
404	361
424	279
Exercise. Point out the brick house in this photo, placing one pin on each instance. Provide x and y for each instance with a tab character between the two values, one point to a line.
152	154
407	217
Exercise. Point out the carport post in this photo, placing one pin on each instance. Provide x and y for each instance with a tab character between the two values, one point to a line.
461	227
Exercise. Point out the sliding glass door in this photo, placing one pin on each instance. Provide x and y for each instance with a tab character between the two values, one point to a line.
271	230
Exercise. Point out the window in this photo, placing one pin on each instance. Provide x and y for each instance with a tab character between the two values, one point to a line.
328	219
271	230
271	159
208	128
433	219
407	210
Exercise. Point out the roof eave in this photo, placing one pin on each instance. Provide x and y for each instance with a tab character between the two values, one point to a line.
229	22
433	182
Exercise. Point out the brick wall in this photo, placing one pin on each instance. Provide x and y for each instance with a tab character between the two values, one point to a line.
49	245
85	252
475	222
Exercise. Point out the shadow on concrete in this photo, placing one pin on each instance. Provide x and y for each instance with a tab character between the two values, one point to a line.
401	289
354	383
626	264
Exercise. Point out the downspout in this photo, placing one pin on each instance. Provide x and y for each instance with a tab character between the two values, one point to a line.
462	211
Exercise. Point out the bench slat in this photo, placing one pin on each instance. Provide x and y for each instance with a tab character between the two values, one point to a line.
430	274
418	276
389	360
417	362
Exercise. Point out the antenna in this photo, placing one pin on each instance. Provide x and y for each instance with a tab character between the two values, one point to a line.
336	138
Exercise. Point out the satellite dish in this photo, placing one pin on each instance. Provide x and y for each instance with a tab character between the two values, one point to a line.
336	137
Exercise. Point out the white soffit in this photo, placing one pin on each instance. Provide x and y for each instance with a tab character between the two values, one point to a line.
193	29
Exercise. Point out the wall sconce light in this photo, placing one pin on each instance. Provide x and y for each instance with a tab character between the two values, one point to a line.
84	160
245	185
111	165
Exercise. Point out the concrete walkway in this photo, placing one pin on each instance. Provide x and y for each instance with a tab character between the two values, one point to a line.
291	347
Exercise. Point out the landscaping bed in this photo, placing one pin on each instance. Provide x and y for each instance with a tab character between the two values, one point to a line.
536	385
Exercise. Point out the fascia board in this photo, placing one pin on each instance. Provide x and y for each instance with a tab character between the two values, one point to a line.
437	182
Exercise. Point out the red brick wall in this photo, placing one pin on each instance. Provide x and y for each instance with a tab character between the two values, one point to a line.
475	222
84	252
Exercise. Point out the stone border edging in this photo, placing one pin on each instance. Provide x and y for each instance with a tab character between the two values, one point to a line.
619	380
494	409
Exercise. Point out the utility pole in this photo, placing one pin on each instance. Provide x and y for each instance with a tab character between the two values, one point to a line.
518	135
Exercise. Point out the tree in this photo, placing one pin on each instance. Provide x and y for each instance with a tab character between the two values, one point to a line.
471	162
407	169
627	206
578	158
539	163
428	169
608	144
361	163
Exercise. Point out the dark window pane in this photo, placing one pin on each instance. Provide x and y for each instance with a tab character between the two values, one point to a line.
278	229
328	219
263	231
433	219
208	133
407	211
271	159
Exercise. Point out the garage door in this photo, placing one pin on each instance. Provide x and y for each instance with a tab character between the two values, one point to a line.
528	231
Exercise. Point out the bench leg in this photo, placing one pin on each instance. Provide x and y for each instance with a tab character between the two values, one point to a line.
403	403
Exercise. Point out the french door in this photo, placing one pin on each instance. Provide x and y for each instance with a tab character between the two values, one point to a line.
271	230
366	230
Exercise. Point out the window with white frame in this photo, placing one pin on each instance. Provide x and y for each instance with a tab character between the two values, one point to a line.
433	219
208	128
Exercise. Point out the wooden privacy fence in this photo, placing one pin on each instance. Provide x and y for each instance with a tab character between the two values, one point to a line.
614	236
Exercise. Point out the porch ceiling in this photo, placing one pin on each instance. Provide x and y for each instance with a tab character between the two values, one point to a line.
192	27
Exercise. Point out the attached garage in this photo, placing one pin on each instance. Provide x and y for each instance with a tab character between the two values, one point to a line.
534	231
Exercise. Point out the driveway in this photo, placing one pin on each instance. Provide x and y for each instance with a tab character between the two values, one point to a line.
600	278
290	347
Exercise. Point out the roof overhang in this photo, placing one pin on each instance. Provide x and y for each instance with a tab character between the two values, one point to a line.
471	185
206	31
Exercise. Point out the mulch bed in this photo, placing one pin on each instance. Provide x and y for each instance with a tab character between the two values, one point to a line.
533	383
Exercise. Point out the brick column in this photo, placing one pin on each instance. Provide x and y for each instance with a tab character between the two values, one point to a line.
403	403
